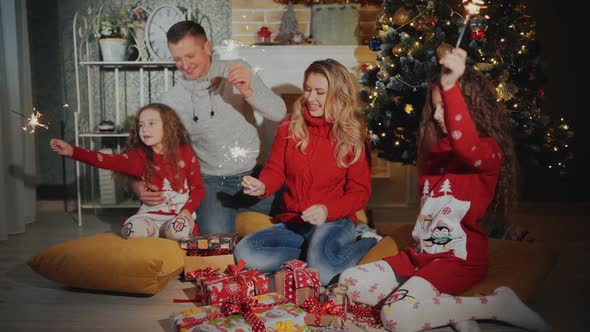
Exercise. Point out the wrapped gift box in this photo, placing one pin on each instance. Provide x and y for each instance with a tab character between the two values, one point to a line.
236	282
297	282
210	242
271	310
324	314
192	263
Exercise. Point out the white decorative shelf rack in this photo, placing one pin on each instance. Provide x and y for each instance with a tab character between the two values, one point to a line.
93	104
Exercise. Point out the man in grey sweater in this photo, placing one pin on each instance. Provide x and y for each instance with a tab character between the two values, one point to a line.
221	104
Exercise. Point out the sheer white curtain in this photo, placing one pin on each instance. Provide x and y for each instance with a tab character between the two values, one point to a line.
17	148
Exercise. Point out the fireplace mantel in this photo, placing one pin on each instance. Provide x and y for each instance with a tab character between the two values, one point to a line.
282	67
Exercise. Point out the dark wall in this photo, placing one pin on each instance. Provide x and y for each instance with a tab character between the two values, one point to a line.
562	29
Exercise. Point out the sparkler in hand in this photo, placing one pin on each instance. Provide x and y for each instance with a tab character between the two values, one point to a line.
472	7
33	121
238	153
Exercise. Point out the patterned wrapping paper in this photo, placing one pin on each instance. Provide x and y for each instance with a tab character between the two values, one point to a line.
324	314
297	282
236	282
211	242
269	312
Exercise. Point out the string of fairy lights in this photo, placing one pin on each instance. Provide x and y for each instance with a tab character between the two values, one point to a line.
408	37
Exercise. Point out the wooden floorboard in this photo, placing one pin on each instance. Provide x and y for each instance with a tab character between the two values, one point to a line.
28	302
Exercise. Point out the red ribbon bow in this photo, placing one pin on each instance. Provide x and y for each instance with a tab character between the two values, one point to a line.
236	305
245	307
313	306
429	20
479	34
299	276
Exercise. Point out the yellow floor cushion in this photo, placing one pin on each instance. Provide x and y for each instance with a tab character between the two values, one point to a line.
108	262
519	265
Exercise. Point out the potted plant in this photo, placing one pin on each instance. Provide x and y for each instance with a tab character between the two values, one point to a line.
111	28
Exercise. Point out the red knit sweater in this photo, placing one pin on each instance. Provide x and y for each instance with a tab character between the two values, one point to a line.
458	185
187	195
314	177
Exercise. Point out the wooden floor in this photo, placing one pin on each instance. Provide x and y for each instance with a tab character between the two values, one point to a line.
29	302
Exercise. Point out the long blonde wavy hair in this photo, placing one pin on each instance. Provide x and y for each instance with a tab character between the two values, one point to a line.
349	128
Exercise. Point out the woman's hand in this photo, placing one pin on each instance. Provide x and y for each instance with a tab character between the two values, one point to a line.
61	147
252	186
453	67
147	193
241	76
315	214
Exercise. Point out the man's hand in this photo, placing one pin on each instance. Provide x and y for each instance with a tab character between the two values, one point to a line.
315	214
241	76
252	186
61	147
453	67
147	193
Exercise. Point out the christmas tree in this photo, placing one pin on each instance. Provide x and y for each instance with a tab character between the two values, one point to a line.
288	25
500	41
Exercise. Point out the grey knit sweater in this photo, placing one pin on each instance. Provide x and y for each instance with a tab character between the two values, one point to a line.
225	136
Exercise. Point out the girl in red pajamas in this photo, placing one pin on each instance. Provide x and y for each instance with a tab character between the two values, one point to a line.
466	163
160	153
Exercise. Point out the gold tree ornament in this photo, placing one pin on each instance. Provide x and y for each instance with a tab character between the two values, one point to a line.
443	49
401	16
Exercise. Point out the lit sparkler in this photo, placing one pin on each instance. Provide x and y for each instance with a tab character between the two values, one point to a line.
238	153
33	121
229	51
472	7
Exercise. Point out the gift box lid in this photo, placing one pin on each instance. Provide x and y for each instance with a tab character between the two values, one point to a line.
210	241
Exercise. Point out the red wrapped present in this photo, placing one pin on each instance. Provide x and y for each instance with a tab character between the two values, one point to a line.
268	312
236	282
297	282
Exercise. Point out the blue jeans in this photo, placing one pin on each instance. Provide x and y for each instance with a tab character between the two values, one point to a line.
223	198
330	248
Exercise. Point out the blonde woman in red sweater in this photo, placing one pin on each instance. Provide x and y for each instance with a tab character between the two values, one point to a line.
466	162
320	155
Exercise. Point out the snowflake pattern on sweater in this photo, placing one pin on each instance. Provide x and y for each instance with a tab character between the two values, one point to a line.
183	190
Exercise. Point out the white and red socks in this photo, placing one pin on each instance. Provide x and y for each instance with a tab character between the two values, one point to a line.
369	283
417	305
139	227
178	228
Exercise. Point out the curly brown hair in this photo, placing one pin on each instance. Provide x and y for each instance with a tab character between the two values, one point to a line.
174	136
491	120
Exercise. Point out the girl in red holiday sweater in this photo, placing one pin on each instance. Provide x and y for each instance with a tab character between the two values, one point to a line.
319	154
466	162
159	152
